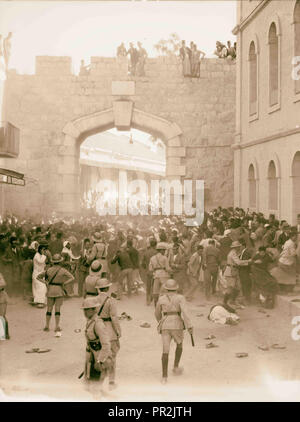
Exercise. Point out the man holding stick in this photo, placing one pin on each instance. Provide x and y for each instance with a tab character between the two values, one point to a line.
109	315
98	350
173	319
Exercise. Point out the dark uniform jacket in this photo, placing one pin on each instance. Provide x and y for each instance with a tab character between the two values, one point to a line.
149	252
211	257
245	255
123	259
56	246
134	256
225	243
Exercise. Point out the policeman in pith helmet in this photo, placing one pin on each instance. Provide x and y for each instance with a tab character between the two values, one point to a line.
91	280
173	319
98	351
160	268
109	315
99	251
57	279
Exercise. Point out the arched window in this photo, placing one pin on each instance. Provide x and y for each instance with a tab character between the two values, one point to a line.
252	79
296	185
273	187
297	39
273	66
252	187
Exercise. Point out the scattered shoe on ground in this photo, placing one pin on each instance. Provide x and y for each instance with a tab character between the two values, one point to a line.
211	345
241	355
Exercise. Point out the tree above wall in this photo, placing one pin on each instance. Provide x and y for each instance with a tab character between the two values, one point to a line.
170	46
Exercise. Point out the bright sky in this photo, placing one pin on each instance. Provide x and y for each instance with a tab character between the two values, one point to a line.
84	29
136	134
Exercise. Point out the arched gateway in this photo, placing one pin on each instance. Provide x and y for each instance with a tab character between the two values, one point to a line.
55	110
123	115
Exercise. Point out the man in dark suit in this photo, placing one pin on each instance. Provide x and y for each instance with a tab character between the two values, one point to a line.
149	252
56	245
211	262
135	259
83	265
178	265
122	257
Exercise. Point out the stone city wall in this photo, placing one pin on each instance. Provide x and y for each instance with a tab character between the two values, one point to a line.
41	105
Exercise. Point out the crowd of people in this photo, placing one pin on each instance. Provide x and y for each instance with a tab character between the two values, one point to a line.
137	57
235	255
191	57
26	250
225	51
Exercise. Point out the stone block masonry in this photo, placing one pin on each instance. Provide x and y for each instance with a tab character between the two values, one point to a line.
55	110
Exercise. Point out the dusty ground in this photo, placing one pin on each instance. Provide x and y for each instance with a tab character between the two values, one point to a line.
209	374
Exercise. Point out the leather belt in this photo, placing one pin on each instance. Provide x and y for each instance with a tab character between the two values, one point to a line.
92	294
106	319
171	313
55	284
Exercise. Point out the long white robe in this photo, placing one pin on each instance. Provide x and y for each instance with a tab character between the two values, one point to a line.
39	289
2	328
219	315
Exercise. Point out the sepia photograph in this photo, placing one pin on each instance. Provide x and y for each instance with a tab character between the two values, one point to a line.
149	203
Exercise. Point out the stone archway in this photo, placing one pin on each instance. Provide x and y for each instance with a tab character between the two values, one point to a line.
123	115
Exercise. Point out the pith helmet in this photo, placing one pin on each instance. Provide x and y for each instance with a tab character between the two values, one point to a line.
102	283
171	284
96	266
89	302
162	245
57	258
97	237
236	244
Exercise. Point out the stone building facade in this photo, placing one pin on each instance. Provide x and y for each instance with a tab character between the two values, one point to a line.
56	110
267	143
